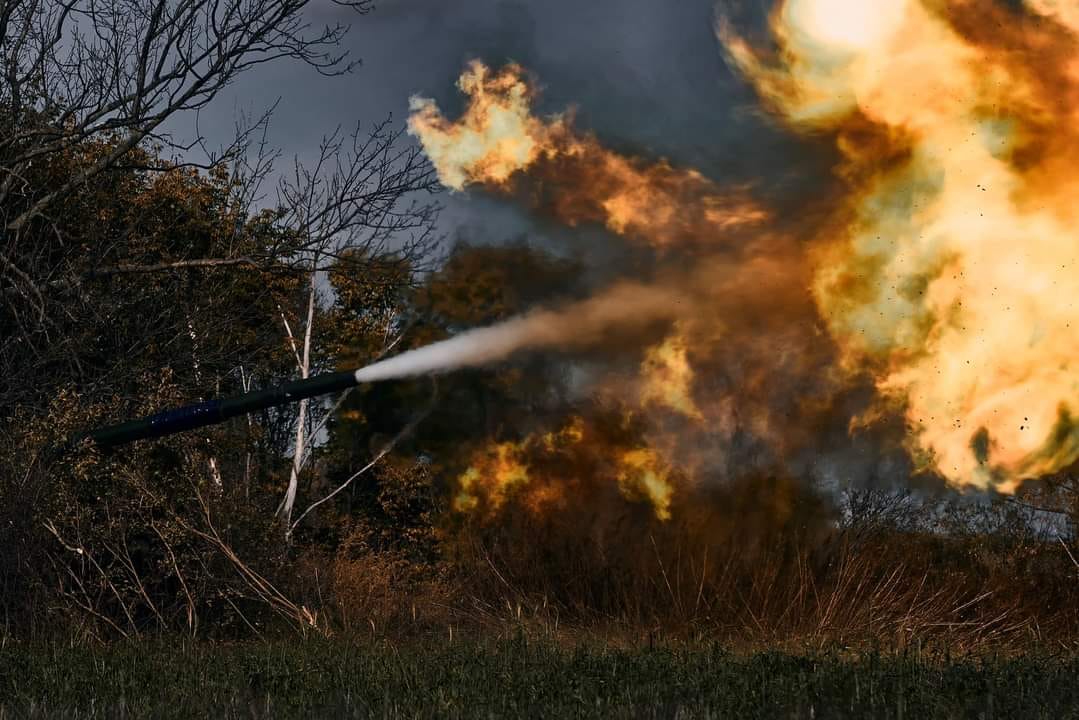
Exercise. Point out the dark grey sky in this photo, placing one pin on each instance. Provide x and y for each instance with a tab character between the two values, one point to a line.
647	76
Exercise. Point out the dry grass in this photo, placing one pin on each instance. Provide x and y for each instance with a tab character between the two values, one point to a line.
802	583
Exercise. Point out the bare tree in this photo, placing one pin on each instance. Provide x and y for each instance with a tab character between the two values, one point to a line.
303	366
125	67
88	89
78	73
349	204
347	209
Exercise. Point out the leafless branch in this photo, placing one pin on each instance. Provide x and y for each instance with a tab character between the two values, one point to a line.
98	81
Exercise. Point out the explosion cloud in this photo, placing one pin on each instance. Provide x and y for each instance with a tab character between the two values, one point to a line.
953	266
942	276
730	294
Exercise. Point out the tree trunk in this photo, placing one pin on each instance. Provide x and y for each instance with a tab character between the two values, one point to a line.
304	363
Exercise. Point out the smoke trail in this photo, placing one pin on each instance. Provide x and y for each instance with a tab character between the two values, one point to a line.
624	307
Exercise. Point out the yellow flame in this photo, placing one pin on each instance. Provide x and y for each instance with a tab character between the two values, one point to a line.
571	434
537	472
667	378
494	475
957	269
497	136
642	474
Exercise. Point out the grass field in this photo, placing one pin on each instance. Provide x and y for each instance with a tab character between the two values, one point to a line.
517	679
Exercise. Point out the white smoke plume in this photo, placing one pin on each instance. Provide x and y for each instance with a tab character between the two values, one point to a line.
623	307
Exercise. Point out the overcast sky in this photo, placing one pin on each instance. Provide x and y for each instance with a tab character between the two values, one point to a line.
647	76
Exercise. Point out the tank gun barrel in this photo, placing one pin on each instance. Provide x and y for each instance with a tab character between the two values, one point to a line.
215	411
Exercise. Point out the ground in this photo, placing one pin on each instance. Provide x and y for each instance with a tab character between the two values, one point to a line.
520	678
